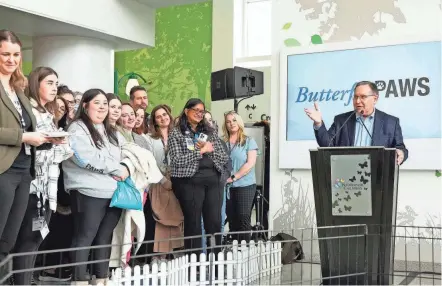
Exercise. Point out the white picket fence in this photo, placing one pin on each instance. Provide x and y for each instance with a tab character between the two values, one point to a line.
241	265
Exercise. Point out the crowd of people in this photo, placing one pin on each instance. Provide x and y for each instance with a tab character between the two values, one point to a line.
55	190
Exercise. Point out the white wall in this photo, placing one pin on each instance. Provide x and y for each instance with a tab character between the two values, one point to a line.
127	19
81	63
291	195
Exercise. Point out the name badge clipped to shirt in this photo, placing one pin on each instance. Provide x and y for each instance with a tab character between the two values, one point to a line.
189	144
27	149
44	231
39	224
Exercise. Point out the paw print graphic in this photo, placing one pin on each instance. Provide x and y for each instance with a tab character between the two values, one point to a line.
380	84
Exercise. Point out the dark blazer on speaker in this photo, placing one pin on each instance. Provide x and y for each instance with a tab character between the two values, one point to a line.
387	132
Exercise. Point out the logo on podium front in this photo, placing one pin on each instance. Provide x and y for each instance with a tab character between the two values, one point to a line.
351	185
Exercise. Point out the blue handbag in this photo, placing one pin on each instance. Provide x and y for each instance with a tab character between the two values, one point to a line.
127	196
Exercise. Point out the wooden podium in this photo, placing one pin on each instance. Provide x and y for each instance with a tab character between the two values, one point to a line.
355	185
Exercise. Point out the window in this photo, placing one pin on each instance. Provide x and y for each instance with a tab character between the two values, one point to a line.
256	28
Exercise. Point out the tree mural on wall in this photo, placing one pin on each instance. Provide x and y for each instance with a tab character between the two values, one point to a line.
179	67
335	16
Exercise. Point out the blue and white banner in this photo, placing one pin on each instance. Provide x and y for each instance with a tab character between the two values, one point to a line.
407	75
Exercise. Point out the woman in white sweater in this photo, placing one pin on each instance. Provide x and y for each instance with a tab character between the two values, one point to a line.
42	91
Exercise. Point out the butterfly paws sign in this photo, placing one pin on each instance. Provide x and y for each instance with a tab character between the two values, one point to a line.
351	185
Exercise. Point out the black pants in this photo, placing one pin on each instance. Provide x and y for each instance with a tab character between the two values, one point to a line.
150	223
28	241
239	210
14	195
94	223
199	196
60	237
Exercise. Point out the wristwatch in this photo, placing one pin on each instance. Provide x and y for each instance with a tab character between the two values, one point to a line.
233	178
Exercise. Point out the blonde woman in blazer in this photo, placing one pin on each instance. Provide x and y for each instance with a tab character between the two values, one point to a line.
17	142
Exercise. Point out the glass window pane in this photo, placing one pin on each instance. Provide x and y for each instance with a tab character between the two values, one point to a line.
258	21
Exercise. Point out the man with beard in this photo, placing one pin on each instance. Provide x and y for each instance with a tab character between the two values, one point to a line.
138	98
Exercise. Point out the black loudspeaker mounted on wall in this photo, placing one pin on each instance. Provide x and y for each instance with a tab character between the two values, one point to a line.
235	83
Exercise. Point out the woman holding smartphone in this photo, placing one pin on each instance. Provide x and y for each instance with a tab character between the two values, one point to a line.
197	159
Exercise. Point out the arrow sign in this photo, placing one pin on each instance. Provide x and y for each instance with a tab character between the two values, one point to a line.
247	107
253	106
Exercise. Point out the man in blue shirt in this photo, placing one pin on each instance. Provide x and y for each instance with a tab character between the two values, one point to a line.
381	129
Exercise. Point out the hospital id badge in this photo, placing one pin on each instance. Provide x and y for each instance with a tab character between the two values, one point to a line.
45	230
27	149
38	223
189	144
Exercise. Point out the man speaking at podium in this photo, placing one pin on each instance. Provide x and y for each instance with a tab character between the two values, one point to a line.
364	126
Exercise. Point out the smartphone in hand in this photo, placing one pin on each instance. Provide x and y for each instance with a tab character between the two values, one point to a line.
203	137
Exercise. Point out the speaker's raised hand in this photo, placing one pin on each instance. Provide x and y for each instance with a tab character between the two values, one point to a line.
314	114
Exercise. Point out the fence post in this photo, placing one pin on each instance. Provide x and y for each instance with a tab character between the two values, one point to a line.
261	260
186	269
163	274
155	274
137	276
268	251
220	279
193	262
252	261
182	270
229	263
239	271
203	268
117	276
212	258
146	274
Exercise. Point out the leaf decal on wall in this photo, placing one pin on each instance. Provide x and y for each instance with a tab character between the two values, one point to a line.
438	173
287	26
291	42
316	39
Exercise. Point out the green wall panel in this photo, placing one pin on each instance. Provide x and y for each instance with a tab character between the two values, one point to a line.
179	66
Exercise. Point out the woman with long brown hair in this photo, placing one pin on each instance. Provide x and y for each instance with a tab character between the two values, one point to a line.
140	126
41	91
98	158
114	108
61	111
162	221
17	141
